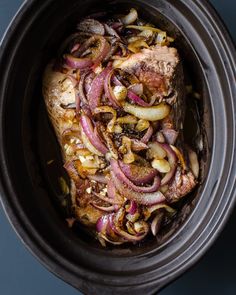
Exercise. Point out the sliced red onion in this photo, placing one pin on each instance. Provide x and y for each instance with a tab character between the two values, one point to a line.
141	189
108	90
137	145
101	178
96	89
132	207
105	209
140	198
172	159
80	97
170	135
77	63
81	88
136	89
102	223
138	175
156	223
111	190
104	51
147	136
108	200
89	132
81	100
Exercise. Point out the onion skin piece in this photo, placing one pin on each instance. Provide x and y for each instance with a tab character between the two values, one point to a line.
138	175
76	62
153	113
108	90
122	177
96	89
89	132
140	198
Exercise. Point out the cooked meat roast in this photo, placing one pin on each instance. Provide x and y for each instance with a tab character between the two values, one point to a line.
116	101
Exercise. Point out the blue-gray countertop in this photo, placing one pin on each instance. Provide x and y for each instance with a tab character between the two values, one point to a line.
22	274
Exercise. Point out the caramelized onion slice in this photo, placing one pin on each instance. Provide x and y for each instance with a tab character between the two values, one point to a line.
130	17
153	113
140	198
89	131
137	174
123	178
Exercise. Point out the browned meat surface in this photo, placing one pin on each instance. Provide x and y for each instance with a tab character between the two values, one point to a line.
58	90
160	69
182	184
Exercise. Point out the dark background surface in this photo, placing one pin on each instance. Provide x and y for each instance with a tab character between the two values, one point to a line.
21	273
